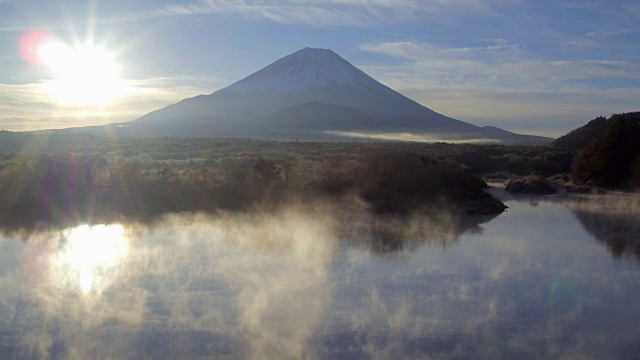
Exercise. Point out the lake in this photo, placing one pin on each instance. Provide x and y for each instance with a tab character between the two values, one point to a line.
553	277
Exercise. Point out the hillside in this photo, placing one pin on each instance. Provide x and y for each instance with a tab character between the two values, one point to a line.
608	151
579	138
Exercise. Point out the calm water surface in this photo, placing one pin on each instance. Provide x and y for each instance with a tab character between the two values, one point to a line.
550	278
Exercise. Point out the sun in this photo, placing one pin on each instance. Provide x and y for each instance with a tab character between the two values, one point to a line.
85	75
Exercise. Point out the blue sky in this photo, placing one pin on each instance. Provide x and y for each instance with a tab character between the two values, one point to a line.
531	66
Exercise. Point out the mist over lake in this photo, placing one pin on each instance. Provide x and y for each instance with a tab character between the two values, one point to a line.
553	277
328	179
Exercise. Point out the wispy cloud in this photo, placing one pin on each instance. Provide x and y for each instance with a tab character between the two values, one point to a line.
493	84
521	71
13	29
321	12
484	48
612	33
496	41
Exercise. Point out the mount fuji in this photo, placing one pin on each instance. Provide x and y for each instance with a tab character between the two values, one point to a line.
312	94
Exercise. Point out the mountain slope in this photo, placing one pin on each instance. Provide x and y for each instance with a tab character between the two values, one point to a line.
579	138
316	90
611	154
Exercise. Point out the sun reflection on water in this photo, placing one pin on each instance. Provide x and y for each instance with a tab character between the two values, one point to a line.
90	254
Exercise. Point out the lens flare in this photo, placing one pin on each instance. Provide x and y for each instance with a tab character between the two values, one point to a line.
31	44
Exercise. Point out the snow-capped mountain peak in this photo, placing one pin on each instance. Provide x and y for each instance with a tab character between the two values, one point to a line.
306	69
310	93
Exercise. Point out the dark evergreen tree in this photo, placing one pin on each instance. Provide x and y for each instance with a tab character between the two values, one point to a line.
609	159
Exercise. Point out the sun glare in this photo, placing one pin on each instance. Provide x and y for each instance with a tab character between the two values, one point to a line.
85	75
90	255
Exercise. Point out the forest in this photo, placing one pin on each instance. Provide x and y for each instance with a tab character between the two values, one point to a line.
56	179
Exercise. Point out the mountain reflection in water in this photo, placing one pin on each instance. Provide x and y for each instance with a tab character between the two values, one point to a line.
530	283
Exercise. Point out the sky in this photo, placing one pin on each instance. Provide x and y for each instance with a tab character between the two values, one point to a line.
537	67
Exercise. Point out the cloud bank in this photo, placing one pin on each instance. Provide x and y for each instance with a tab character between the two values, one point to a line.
505	84
25	107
